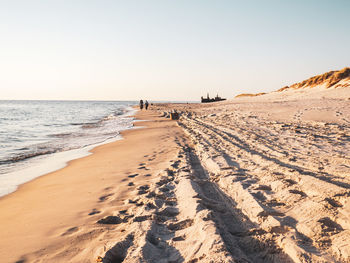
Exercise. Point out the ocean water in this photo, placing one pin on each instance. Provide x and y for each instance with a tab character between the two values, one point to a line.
37	137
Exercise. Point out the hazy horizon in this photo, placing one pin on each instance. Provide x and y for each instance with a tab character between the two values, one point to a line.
166	50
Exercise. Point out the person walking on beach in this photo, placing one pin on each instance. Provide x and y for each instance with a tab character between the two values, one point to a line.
146	105
141	104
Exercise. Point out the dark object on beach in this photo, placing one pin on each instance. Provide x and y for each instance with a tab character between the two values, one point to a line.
174	115
207	99
146	105
141	104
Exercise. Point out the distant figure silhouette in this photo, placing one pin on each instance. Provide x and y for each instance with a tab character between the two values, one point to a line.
146	105
141	104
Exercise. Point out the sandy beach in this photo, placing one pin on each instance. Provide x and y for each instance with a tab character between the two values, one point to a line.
54	218
175	131
263	179
273	174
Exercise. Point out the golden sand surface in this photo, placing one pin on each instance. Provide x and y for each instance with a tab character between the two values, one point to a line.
53	218
274	172
255	179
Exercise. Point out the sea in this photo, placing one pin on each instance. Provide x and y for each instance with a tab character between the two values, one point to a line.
38	137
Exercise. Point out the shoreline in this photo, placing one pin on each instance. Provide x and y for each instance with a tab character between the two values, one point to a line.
84	151
44	211
43	165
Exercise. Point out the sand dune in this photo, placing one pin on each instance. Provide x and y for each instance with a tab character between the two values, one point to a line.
250	94
329	79
330	85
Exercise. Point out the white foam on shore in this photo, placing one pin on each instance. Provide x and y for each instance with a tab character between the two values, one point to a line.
43	165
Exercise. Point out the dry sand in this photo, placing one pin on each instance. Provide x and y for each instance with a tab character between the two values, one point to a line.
263	179
274	174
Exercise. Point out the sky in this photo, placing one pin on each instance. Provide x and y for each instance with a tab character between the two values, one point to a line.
176	50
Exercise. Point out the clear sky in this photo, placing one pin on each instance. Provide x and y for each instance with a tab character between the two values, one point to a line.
166	49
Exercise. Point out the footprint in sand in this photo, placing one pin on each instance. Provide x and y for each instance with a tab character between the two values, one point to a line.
164	189
130	201
293	159
150	206
110	220
293	191
163	180
180	225
259	196
70	231
263	187
179	238
104	197
275	203
290	181
329	226
136	201
338	113
142	218
333	202
119	251
176	164
143	189
168	212
143	167
94	212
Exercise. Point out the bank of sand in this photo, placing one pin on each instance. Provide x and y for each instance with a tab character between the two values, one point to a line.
249	180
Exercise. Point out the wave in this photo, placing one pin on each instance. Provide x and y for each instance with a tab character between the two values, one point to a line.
115	114
60	146
89	125
25	156
60	135
81	123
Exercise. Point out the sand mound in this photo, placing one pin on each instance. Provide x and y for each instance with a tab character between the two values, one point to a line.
328	79
330	85
250	94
